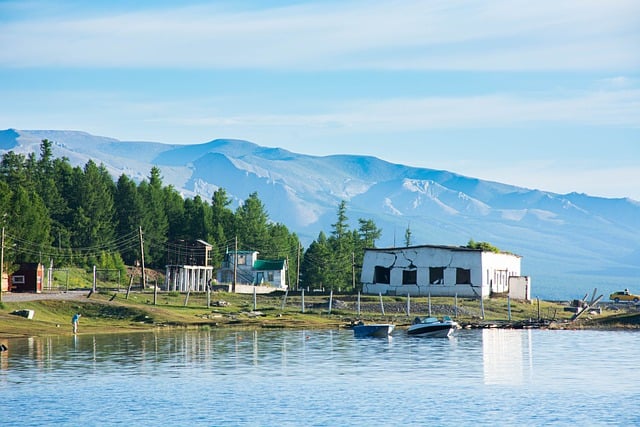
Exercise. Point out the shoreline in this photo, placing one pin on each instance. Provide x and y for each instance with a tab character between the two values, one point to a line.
109	312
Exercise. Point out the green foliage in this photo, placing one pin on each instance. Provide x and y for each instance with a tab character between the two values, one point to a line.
485	246
336	262
154	220
407	236
251	223
74	216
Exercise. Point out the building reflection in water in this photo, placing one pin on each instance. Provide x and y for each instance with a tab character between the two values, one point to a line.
504	352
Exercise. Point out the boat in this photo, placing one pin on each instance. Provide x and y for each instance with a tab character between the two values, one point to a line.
375	330
432	327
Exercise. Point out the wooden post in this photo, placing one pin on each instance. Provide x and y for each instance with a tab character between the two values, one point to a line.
590	304
284	299
481	307
186	299
129	288
144	275
302	300
155	292
330	300
255	299
408	304
358	303
456	305
209	292
429	304
381	303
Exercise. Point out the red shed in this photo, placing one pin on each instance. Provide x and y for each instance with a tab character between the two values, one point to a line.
28	278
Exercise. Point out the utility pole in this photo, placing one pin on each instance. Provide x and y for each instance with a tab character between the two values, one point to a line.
2	264
353	271
235	265
298	268
144	275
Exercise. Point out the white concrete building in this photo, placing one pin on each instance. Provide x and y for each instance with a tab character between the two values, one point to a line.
437	271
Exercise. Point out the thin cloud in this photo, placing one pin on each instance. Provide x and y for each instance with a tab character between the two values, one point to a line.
602	108
501	35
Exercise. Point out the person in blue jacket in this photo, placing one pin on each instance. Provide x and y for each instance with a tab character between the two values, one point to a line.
74	321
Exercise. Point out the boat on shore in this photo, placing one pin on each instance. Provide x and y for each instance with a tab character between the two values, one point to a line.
375	330
432	327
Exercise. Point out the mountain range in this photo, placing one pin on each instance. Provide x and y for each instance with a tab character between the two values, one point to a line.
569	243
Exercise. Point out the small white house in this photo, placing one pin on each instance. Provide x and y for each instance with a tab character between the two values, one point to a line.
248	270
437	271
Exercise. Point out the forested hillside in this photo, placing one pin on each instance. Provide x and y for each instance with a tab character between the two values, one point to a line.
52	212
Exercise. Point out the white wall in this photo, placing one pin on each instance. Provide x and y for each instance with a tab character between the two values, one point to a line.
520	288
497	268
487	269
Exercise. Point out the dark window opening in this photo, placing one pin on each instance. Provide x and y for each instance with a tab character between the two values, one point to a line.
382	275
463	276
436	275
409	277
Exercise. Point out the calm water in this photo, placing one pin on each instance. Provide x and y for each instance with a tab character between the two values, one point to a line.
323	378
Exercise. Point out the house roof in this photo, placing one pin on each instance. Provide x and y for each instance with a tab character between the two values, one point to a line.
265	264
445	247
203	243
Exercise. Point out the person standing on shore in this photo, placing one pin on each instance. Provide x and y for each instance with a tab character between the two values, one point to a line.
74	321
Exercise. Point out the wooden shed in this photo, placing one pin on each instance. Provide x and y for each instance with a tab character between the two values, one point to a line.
28	278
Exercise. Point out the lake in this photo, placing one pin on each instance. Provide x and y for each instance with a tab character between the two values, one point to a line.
322	378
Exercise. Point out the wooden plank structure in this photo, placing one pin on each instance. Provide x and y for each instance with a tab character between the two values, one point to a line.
184	278
588	306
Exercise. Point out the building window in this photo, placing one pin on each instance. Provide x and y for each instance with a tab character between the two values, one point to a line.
463	276
382	275
409	277
436	275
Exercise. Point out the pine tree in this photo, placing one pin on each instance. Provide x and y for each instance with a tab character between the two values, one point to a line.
174	209
155	224
93	206
251	224
315	263
341	242
31	223
129	211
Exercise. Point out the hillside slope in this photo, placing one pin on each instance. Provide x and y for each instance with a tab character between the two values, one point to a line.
570	243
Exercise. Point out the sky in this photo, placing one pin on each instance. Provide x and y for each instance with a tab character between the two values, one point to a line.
541	94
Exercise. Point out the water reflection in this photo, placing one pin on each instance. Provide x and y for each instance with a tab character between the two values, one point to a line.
266	377
503	355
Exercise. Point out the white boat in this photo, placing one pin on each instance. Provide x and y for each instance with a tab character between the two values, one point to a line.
375	330
432	327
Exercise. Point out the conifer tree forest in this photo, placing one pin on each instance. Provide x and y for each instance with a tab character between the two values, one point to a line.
54	213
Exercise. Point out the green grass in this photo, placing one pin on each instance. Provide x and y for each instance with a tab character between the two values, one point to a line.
103	312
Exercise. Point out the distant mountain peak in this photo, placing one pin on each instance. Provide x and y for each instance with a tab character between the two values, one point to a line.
572	239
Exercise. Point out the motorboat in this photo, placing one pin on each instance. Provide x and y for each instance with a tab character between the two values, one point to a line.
375	330
432	327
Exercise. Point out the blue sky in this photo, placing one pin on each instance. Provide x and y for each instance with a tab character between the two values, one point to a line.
540	94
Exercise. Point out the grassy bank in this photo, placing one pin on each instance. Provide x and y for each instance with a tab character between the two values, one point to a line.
108	312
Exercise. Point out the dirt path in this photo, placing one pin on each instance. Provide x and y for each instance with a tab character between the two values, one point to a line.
28	296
